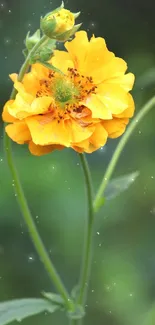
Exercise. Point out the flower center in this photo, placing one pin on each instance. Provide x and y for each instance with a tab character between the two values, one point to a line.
64	90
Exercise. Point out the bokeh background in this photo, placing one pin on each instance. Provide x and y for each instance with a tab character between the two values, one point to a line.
122	286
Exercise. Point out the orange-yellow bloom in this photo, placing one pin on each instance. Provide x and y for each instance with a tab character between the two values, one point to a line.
78	108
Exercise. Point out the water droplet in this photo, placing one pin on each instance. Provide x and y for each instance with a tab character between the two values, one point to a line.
100	245
105	178
92	25
77	164
98	233
152	177
9	11
7	41
5	57
1	159
93	290
16	194
130	294
31	258
37	217
139	131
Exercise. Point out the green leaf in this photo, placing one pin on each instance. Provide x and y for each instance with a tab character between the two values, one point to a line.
55	298
119	185
50	66
21	308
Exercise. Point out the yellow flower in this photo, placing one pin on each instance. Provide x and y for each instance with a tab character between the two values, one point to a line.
79	108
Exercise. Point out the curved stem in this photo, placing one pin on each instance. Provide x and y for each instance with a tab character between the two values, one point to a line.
144	110
24	206
25	65
85	272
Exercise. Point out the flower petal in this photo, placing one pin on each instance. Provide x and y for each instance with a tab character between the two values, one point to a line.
59	57
42	150
22	109
46	130
99	136
13	76
97	107
39	71
126	81
129	111
113	97
18	132
77	49
31	83
5	115
79	132
84	146
98	56
115	127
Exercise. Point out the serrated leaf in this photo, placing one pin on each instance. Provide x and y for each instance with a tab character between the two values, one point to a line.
21	308
55	298
119	185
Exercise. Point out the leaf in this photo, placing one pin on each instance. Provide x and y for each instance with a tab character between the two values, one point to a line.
55	298
21	308
50	66
119	185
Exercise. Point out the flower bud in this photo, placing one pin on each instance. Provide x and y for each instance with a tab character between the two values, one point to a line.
59	24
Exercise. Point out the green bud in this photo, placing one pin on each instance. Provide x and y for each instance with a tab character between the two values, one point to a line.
59	24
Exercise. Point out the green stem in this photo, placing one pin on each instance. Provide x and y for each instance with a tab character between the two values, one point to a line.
25	65
144	110
24	206
85	272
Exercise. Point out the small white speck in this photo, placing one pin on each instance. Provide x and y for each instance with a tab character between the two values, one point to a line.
98	233
131	295
100	245
152	177
93	290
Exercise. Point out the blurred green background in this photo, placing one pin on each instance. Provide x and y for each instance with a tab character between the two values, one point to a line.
122	286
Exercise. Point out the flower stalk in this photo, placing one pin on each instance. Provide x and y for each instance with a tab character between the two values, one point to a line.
23	203
86	265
